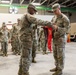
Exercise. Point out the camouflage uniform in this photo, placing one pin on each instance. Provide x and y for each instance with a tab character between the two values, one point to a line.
1	34
59	41
4	40
15	38
26	40
38	41
43	41
34	45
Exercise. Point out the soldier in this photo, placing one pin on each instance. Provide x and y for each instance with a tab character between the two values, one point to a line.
46	37
15	38
34	45
38	37
43	41
62	23
1	34
26	38
4	39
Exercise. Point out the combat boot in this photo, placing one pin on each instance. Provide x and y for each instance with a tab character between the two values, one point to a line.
53	70
6	55
44	52
58	72
27	73
33	61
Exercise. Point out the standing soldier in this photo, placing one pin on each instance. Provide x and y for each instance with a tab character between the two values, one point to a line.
34	45
38	37
15	38
26	38
4	39
62	23
1	34
43	41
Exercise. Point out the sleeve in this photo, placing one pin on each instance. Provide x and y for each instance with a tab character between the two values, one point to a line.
39	22
66	27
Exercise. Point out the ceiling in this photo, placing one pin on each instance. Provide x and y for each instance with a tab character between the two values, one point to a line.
48	3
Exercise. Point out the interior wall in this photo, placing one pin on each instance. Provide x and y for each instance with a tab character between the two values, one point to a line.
12	18
40	12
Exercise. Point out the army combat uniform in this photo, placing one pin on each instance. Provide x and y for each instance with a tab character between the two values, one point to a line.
15	39
26	40
59	40
43	41
4	40
34	44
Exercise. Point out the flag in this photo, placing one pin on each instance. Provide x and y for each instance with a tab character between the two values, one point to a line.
50	39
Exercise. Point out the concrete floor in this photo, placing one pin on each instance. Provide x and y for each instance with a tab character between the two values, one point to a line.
9	65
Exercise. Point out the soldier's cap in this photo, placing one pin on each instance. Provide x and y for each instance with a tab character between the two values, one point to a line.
55	6
32	6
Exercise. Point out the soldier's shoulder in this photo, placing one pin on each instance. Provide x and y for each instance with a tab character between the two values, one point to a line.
65	17
24	15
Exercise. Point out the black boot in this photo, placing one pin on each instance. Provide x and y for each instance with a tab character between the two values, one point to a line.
33	60
53	70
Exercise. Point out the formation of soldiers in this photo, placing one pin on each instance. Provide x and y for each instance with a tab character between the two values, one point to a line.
12	36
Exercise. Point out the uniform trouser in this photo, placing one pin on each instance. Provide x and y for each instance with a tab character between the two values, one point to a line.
16	45
1	46
34	47
58	52
26	53
43	45
4	47
38	45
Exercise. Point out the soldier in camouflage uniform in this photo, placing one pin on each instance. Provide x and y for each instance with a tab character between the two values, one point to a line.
26	38
43	41
1	34
62	23
38	36
34	44
15	38
4	39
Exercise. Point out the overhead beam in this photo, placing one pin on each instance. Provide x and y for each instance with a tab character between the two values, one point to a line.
30	1
11	1
53	2
43	2
39	1
21	1
65	1
33	1
67	9
48	2
71	4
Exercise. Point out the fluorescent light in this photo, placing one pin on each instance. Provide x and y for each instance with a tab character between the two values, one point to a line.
36	4
5	1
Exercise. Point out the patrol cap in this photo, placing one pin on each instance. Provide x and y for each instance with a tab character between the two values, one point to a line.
55	6
32	6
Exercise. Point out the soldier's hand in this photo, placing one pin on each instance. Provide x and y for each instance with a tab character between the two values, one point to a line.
55	27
